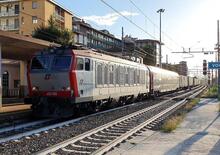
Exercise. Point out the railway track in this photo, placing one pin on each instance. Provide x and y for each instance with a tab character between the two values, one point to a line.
105	137
17	131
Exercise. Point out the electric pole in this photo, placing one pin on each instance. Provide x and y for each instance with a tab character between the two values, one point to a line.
218	60
122	39
160	55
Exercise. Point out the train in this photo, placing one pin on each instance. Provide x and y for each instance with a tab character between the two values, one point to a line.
65	81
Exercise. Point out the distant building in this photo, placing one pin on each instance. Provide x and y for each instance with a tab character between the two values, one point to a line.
183	69
180	68
148	49
23	16
85	34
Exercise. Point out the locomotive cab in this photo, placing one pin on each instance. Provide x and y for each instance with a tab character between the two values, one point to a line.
49	75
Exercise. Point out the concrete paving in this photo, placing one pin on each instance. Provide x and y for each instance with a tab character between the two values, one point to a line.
198	134
14	108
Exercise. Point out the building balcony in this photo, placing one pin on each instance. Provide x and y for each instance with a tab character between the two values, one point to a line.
9	14
12	27
59	17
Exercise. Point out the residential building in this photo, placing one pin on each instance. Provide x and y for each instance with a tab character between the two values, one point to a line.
90	37
152	48
180	68
148	49
24	16
183	69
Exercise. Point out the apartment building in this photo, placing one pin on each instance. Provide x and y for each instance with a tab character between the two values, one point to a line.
90	37
23	16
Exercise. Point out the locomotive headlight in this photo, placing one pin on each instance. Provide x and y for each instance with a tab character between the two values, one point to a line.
35	88
68	88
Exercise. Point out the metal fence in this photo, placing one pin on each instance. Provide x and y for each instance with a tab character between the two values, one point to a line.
9	93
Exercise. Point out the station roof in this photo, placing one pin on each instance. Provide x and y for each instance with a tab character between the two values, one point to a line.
19	47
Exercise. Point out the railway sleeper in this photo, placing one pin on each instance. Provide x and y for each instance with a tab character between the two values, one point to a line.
109	134
93	143
102	136
99	139
80	148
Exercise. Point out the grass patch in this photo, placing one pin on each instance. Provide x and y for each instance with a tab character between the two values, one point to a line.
172	123
212	92
191	104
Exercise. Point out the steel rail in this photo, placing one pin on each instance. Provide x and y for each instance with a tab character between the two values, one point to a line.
108	125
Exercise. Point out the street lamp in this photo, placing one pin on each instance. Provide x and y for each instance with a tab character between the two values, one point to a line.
160	56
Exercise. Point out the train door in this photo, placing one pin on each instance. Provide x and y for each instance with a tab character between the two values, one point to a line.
84	76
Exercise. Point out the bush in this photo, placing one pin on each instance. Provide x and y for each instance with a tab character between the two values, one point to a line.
172	123
211	92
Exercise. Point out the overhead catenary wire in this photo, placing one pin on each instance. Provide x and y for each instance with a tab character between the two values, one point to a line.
155	25
54	38
128	19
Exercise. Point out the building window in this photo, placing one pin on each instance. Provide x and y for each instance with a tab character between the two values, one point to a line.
22	20
34	19
16	83
7	23
34	5
7	8
5	80
16	9
16	21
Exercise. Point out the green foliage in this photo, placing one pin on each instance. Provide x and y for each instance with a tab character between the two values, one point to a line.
53	33
191	104
150	58
172	123
211	92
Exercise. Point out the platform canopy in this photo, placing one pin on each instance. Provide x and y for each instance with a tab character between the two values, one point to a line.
19	47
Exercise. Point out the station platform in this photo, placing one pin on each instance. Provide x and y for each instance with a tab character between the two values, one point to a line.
14	107
198	134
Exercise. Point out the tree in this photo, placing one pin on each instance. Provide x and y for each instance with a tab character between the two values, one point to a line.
54	33
150	58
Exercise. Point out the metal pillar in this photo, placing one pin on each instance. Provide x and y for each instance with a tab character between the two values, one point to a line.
160	55
0	75
218	60
23	78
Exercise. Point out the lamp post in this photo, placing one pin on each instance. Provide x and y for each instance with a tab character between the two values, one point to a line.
160	56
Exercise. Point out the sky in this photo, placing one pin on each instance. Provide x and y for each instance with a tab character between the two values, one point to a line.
185	23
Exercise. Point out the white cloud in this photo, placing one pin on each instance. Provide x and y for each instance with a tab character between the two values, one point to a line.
108	19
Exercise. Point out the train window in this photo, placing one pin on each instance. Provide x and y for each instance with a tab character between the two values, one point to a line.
80	63
117	75
131	76
61	62
126	75
111	75
138	76
135	76
40	62
122	75
87	64
99	74
106	74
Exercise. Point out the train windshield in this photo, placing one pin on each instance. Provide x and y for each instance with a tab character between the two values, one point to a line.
40	63
61	62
